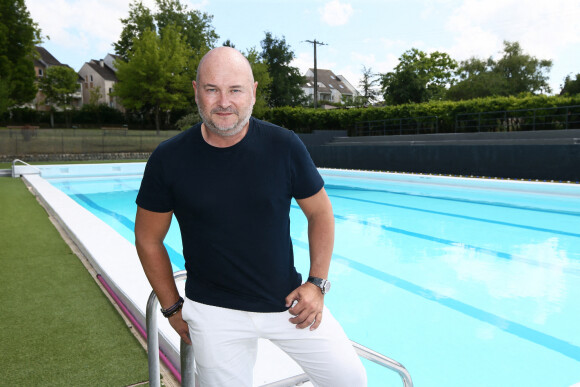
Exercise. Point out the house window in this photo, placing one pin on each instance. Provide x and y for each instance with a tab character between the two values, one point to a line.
329	85
91	77
40	72
332	76
341	86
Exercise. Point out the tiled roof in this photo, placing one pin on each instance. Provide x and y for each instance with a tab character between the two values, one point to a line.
46	59
327	81
104	71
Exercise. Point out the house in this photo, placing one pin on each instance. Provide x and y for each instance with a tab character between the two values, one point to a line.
331	87
99	81
45	60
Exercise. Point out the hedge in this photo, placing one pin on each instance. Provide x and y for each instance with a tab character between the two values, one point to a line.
305	120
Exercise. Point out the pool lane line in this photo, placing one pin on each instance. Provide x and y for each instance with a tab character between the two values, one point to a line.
448	242
551	231
550	342
519	330
128	223
494	204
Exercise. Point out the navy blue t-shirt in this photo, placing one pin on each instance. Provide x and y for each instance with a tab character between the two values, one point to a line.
232	205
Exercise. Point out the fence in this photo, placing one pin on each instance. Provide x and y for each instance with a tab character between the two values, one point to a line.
412	125
564	117
30	141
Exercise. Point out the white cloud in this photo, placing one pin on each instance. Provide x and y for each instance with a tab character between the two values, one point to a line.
303	61
79	24
335	13
480	26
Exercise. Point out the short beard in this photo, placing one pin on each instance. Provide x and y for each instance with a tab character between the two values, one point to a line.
225	131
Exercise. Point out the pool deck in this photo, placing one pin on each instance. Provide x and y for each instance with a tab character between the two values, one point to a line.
115	259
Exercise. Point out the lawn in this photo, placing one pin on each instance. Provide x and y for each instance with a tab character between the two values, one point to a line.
57	326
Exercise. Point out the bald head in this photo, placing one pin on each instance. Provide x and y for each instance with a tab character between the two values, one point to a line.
225	93
224	57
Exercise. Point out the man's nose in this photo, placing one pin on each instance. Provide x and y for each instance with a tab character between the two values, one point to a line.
224	101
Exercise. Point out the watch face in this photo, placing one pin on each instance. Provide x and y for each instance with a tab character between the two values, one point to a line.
326	287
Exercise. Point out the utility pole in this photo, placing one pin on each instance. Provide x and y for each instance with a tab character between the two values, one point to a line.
314	42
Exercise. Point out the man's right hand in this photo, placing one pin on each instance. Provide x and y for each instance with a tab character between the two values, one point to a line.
178	323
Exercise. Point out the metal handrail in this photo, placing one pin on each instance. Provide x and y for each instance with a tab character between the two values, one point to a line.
384	361
188	378
25	163
187	373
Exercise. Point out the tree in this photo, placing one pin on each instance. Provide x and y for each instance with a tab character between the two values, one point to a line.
140	19
285	88
228	43
18	36
157	77
514	73
571	87
58	85
368	86
195	26
522	72
476	79
419	77
261	75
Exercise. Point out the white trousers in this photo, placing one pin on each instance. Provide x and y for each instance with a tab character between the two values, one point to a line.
225	343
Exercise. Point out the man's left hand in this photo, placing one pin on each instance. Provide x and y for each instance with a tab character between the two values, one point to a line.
307	310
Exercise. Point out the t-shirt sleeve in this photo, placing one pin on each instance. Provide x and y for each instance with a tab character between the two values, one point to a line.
154	193
306	180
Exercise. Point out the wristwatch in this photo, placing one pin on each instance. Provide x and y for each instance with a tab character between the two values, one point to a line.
323	284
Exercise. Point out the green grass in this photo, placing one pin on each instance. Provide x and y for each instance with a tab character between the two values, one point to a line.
57	326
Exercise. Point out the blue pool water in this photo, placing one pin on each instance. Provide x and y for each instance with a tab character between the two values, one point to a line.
465	283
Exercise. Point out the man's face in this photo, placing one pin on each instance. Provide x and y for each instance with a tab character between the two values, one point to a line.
225	95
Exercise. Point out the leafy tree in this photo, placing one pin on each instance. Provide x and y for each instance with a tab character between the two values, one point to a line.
58	85
194	25
228	43
571	87
476	79
514	73
261	75
285	88
419	77
18	35
522	72
368	86
157	77
140	18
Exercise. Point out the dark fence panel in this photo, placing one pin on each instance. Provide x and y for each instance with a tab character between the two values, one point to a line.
542	162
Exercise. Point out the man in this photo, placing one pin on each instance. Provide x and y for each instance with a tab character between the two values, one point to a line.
229	181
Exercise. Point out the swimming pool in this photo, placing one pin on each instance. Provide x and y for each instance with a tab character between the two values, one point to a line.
466	282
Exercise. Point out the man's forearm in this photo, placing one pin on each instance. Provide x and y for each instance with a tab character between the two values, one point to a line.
159	272
321	242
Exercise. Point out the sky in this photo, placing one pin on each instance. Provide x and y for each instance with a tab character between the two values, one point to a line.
356	33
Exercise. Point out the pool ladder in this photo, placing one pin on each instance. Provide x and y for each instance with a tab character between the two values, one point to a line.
188	369
16	173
